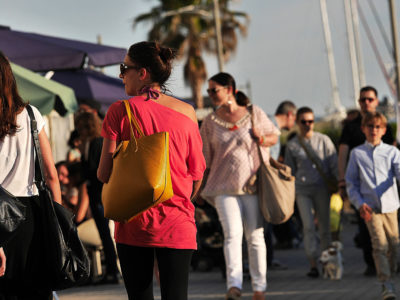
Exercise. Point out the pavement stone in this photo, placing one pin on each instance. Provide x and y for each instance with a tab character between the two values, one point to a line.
282	284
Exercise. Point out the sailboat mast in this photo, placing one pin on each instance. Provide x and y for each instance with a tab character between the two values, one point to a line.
352	50
331	59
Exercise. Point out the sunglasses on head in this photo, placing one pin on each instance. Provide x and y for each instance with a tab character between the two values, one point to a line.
304	122
213	91
123	68
363	100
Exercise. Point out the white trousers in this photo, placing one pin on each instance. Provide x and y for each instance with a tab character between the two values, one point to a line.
235	214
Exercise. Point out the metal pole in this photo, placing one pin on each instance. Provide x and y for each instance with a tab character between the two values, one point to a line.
218	35
395	45
352	50
356	26
331	60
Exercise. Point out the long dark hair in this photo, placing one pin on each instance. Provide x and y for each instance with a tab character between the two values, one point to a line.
11	102
156	59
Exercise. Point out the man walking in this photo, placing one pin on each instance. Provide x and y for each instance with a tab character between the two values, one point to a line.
284	119
351	137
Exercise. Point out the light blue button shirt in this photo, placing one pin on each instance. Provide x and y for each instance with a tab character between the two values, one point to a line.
371	177
274	150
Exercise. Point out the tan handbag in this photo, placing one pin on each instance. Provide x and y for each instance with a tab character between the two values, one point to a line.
275	188
140	178
276	191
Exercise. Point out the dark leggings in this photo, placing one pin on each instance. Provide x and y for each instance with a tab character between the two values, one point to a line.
137	270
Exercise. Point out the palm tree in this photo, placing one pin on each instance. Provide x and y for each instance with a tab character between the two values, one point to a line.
187	26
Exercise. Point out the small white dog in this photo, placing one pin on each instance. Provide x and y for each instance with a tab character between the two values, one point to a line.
332	261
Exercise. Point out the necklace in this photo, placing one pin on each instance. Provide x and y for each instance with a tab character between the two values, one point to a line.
229	125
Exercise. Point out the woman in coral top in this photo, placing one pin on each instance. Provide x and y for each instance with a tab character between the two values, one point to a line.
166	231
230	149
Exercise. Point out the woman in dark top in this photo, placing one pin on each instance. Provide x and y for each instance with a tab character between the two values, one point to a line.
89	127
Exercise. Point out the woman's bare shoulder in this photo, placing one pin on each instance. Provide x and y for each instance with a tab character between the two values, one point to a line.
179	106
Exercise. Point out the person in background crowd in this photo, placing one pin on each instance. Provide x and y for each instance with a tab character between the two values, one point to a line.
166	231
371	184
19	255
230	149
89	127
312	195
351	137
73	189
74	154
284	119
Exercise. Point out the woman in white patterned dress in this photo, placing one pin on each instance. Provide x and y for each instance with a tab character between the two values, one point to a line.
230	150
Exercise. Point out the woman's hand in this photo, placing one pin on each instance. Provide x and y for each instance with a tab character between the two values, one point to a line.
267	140
2	262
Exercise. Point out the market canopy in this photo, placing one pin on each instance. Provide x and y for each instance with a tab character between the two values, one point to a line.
43	53
92	85
44	94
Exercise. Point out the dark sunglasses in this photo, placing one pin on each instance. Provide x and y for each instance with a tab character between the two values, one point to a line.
363	100
213	91
123	68
304	122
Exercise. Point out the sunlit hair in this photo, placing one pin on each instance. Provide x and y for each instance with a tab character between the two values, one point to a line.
303	110
88	125
11	102
156	59
374	117
369	88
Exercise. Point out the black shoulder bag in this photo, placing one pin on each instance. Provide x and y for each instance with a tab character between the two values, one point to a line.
65	260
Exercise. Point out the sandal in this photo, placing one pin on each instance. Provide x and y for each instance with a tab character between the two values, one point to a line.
258	296
233	294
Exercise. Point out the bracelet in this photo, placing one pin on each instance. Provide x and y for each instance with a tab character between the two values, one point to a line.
261	140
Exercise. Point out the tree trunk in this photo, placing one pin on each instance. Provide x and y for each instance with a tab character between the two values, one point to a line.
196	93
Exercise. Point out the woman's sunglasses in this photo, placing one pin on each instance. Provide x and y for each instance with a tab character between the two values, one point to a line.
214	91
123	68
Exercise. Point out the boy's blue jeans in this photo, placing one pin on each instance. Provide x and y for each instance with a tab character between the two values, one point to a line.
384	231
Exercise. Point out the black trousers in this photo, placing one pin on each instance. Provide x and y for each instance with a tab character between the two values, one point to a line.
137	270
97	210
23	255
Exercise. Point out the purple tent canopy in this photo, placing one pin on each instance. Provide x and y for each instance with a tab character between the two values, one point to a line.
44	53
92	85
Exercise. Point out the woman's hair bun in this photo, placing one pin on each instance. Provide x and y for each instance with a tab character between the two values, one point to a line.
166	54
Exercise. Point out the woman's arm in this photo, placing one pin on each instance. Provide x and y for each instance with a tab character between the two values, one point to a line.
83	203
50	172
2	262
106	162
196	188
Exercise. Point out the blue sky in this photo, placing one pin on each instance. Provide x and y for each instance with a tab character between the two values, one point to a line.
282	57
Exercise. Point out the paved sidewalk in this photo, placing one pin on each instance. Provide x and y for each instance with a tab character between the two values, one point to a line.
283	284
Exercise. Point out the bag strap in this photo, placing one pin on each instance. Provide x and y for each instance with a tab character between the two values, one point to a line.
39	173
132	118
251	109
313	157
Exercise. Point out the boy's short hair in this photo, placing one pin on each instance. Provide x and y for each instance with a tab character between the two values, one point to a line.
372	116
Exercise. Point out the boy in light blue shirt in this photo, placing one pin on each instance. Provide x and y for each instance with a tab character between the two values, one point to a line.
371	185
